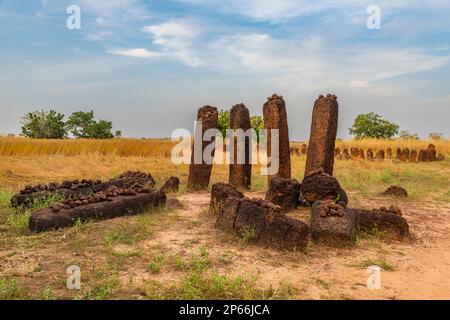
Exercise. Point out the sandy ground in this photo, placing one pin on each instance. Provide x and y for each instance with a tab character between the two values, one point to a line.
420	265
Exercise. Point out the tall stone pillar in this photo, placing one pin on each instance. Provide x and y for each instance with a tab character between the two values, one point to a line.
275	117
323	135
199	169
241	142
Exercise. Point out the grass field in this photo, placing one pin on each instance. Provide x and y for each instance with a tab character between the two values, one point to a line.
177	253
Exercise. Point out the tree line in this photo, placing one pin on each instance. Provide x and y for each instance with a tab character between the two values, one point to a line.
42	124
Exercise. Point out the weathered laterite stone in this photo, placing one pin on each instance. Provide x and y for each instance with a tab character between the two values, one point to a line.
332	224
200	172
241	167
219	193
172	185
428	156
262	222
361	155
50	219
321	186
413	156
396	191
383	219
421	157
388	153
354	152
284	193
275	117
433	153
337	153
369	155
380	155
304	149
404	155
322	139
398	154
76	188
346	155
295	151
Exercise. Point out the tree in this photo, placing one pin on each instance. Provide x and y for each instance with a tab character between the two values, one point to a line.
83	125
118	134
100	130
223	123
372	125
79	123
257	124
406	135
436	136
44	125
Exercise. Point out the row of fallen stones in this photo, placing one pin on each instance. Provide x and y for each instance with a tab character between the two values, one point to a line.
127	194
332	222
75	188
404	155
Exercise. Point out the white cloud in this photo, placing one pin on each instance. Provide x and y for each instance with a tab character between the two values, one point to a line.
282	10
102	36
177	40
311	65
136	53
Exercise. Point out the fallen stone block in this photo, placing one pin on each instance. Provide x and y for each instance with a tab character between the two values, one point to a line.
321	186
57	217
389	220
284	192
332	224
219	193
263	223
172	185
396	191
76	188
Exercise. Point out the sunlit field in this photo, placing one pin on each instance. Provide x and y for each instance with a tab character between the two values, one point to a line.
147	257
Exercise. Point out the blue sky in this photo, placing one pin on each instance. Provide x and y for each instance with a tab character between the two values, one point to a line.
148	65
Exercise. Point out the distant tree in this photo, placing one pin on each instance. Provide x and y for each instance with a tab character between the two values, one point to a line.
118	134
83	125
79	122
436	136
257	124
100	130
44	125
223	123
406	135
372	125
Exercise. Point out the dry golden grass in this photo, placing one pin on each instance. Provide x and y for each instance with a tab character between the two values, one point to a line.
112	252
442	146
10	146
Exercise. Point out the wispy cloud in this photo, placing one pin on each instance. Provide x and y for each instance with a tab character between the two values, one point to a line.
176	39
136	53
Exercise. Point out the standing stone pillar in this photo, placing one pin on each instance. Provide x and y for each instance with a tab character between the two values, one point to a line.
241	142
323	135
199	170
275	117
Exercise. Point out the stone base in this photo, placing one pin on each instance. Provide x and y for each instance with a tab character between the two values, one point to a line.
284	192
332	229
262	222
48	219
